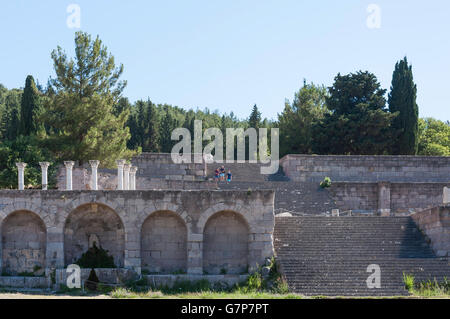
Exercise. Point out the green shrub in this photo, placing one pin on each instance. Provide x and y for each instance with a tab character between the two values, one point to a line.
326	182
408	280
96	258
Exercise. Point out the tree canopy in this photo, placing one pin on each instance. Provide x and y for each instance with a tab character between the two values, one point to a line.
85	125
358	122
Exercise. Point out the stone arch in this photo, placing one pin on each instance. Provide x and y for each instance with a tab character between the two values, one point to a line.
164	242
94	220
207	214
24	241
226	243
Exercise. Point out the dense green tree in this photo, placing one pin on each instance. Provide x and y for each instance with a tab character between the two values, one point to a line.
297	119
152	129
81	110
30	108
359	122
168	124
24	149
123	105
255	118
402	99
434	137
10	117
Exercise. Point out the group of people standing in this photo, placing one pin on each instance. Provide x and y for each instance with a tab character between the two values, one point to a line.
219	175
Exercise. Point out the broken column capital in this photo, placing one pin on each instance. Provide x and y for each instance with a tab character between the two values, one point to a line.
121	162
21	165
94	163
44	165
69	164
133	169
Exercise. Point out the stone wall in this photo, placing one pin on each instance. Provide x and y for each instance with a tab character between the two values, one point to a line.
164	243
160	165
225	244
435	223
23	242
397	199
366	168
73	219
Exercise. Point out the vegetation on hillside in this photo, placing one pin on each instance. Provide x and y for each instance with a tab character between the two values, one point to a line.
82	114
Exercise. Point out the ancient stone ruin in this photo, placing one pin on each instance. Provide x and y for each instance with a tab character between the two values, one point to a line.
170	221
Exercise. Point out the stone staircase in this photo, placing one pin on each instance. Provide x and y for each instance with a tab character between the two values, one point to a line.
330	255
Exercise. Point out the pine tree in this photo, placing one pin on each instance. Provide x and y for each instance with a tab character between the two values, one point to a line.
30	108
402	99
298	118
359	123
168	124
151	129
255	118
81	111
10	120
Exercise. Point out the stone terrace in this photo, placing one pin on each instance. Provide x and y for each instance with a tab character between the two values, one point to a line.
155	230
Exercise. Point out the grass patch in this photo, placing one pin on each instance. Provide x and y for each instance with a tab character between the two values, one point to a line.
257	286
430	288
124	293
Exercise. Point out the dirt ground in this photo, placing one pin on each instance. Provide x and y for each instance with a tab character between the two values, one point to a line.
31	295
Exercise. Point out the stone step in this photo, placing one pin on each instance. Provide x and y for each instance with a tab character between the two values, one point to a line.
330	255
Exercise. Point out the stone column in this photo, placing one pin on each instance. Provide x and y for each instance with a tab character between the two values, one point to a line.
384	198
133	170
195	254
126	176
69	167
94	166
120	163
44	169
446	195
21	170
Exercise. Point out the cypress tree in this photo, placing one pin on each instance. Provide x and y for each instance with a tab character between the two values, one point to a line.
30	108
402	99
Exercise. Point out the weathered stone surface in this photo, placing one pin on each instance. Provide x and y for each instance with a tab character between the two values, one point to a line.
163	243
435	223
24	243
168	230
367	168
225	244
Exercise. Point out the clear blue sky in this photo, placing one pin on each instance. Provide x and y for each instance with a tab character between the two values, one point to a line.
229	55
